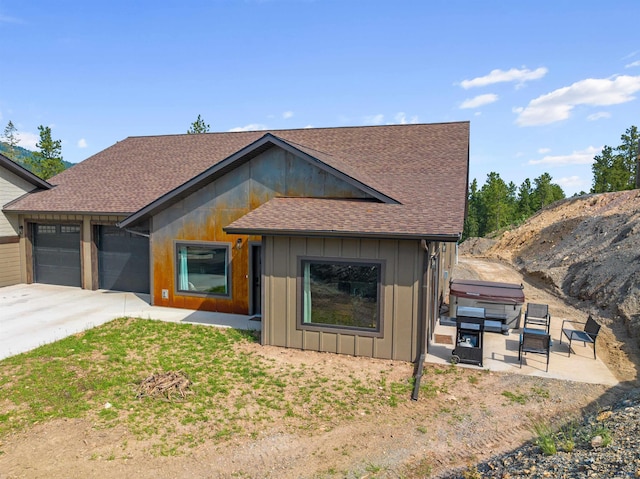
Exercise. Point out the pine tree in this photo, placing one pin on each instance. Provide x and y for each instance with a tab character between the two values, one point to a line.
198	126
48	161
616	169
11	139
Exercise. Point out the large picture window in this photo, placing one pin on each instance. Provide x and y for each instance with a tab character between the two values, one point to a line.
203	268
341	294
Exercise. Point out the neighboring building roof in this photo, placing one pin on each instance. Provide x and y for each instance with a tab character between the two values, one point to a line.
422	169
23	173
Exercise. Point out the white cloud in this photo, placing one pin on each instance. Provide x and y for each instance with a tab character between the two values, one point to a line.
501	76
287	114
28	140
82	143
373	119
573	183
250	127
479	100
633	64
580	157
544	151
402	119
308	126
558	104
598	115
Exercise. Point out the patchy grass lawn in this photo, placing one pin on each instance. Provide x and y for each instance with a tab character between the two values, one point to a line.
234	390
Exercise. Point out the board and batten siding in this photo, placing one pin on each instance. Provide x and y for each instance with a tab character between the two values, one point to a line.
400	295
10	264
11	187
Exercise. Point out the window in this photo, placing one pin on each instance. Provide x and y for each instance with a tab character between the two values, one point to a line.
341	294
203	268
46	229
69	229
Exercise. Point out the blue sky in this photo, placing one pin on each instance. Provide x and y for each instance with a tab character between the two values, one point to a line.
545	84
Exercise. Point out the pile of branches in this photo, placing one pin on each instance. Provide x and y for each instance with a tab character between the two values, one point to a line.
165	385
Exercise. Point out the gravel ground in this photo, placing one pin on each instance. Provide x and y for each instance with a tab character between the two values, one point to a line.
593	456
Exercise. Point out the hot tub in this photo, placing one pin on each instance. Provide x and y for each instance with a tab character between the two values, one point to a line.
500	301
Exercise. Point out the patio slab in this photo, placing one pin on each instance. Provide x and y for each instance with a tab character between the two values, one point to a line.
500	353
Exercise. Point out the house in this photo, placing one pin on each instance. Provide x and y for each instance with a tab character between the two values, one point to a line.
339	238
15	181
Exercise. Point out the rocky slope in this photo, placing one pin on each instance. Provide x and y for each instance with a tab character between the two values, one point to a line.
584	248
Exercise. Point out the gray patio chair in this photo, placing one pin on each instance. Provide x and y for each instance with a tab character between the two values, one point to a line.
538	342
537	316
587	335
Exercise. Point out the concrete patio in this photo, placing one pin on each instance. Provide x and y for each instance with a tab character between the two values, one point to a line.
501	354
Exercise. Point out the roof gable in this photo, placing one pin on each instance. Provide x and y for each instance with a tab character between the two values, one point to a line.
245	154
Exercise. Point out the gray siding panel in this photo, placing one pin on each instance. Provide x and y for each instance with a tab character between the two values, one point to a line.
400	295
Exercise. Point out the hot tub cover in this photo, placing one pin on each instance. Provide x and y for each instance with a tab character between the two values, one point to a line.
488	291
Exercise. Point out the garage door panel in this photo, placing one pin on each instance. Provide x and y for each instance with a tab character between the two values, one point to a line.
56	252
123	260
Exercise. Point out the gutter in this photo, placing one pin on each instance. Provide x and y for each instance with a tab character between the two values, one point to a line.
135	233
422	326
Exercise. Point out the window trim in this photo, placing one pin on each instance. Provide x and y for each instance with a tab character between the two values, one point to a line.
340	329
204	244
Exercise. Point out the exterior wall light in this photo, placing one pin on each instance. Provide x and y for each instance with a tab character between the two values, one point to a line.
239	243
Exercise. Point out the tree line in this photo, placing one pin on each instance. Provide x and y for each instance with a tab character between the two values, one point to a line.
618	169
498	205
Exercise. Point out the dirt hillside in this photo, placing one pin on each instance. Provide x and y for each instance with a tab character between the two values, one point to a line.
587	250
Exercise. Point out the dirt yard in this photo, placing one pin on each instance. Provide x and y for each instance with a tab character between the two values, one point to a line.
463	415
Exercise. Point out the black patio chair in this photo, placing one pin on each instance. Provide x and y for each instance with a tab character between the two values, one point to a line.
587	335
539	343
537	316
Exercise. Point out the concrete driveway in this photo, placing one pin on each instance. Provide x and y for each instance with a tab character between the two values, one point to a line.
35	314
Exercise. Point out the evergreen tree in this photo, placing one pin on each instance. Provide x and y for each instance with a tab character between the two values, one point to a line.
525	200
545	192
48	161
11	139
198	126
495	201
616	169
471	223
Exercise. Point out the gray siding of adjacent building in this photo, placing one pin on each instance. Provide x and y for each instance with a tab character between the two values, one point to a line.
11	187
403	260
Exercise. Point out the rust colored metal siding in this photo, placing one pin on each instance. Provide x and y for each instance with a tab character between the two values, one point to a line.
201	217
400	291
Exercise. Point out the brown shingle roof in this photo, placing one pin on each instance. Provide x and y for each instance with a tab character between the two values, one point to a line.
317	216
424	167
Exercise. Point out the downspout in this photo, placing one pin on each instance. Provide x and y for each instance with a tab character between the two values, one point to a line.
422	325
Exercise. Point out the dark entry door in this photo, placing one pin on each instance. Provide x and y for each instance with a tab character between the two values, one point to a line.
123	260
256	279
56	254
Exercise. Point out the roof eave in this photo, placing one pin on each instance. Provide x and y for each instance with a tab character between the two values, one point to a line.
58	212
449	238
23	173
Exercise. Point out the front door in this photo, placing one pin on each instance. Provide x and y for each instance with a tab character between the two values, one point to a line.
256	279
